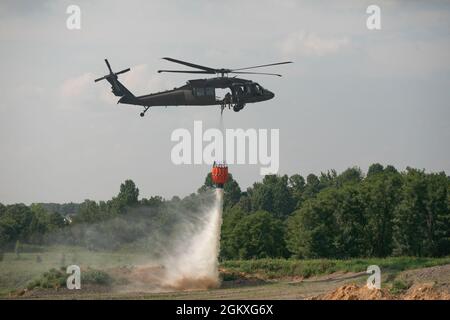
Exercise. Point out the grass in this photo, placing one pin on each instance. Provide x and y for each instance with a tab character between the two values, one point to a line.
278	268
51	279
55	278
18	273
93	276
399	286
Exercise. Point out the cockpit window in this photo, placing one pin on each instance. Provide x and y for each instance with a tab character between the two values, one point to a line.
258	89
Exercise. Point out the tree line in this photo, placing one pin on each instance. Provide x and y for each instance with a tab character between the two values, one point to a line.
382	213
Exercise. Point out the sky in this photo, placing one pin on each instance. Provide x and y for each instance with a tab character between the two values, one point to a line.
352	97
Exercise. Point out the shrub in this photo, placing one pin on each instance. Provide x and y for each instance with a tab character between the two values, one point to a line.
93	276
399	286
51	279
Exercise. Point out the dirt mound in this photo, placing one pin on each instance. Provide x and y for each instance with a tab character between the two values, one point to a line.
232	279
152	278
354	292
427	291
188	284
437	274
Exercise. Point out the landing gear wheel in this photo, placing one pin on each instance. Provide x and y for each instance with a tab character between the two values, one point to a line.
238	107
142	114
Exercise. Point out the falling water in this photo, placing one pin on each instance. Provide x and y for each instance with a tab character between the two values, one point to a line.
195	264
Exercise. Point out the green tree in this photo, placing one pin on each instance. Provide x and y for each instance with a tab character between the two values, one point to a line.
40	224
155	202
259	235
331	225
312	229
129	193
297	184
312	186
15	223
328	179
244	204
375	169
351	175
423	217
273	195
229	248
390	169
381	194
351	239
89	212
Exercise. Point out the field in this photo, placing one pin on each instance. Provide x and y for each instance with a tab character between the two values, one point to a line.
107	275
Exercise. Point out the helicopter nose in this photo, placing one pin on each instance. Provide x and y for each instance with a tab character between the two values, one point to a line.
270	94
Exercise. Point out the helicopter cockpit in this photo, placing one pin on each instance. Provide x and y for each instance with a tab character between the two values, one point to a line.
248	90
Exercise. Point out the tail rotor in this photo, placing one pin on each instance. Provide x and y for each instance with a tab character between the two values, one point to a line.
118	89
111	74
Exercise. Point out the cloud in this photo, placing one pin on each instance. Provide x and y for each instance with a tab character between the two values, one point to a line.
311	44
142	80
398	56
81	90
77	86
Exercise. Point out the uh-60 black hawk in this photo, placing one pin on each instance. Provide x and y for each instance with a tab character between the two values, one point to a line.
198	92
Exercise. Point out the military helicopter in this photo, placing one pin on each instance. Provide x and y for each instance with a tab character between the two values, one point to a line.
198	92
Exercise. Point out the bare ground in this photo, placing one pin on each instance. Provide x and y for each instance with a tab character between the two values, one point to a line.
426	283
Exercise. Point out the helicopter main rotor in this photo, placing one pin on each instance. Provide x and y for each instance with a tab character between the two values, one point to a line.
221	71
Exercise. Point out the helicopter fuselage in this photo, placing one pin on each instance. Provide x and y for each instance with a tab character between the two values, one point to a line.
202	92
197	92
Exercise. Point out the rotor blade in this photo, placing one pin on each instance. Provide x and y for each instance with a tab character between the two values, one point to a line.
263	65
192	65
97	80
123	71
109	67
186	71
263	73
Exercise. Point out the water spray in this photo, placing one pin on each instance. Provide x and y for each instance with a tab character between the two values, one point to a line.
194	264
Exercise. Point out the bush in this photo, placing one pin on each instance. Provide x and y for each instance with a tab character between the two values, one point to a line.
93	276
278	268
399	286
51	279
54	279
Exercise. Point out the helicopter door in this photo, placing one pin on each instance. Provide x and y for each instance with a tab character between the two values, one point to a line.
204	95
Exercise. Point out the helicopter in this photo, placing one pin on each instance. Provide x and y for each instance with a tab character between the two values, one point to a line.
197	92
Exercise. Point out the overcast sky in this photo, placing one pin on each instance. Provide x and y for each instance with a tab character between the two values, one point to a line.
353	96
